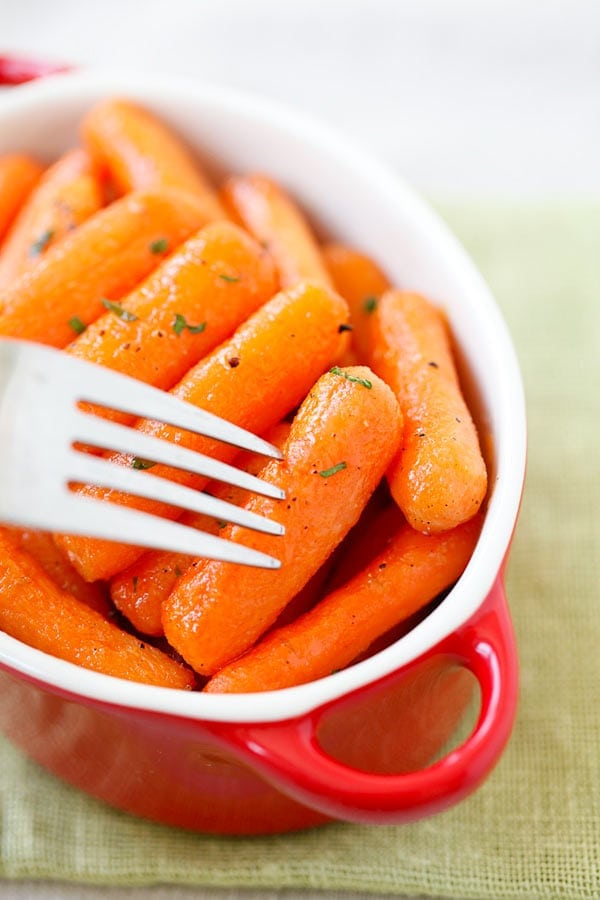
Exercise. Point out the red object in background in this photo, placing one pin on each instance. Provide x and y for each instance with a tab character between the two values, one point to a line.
16	70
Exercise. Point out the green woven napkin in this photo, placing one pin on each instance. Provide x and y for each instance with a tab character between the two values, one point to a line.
533	829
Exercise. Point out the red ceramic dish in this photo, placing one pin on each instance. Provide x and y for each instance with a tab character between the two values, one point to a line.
356	745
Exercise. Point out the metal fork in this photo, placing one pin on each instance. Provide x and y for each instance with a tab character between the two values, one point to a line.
41	426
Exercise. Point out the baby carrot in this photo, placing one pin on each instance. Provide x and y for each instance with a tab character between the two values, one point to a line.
34	610
274	219
361	283
67	194
140	153
18	175
189	304
439	478
139	591
341	442
41	546
254	379
102	259
409	572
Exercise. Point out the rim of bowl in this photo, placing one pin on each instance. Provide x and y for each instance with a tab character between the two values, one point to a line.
475	583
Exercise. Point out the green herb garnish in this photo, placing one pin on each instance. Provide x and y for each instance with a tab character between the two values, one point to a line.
160	245
135	583
364	381
230	278
38	246
77	325
370	304
180	324
119	311
138	463
178	572
327	473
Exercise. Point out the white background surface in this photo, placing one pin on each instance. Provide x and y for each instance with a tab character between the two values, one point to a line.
465	98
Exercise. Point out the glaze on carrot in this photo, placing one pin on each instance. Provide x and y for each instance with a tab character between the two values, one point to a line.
439	478
140	590
269	214
18	176
254	380
140	152
192	302
103	259
67	194
340	444
34	610
409	572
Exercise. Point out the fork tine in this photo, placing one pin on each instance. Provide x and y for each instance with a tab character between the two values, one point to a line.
82	467
96	518
119	392
90	429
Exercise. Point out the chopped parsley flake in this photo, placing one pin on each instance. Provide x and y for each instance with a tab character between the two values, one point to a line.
39	245
138	463
180	324
370	304
230	278
161	245
135	583
364	381
119	311
77	325
327	473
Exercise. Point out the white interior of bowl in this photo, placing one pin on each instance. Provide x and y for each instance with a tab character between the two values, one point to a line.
359	201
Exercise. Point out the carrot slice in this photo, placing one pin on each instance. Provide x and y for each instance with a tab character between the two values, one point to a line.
408	573
439	478
361	283
34	610
18	176
140	152
139	591
254	379
340	444
67	194
189	304
41	546
104	258
274	219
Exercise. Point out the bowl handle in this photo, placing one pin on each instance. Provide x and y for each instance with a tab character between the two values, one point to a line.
288	753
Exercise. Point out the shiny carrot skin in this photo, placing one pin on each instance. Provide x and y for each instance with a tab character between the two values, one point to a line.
18	176
140	152
140	591
192	302
104	258
410	571
340	444
439	478
67	194
34	610
41	546
254	379
269	214
361	283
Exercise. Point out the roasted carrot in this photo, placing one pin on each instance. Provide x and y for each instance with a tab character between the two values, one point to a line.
101	260
254	379
140	152
34	610
408	573
273	218
41	545
140	590
439	477
189	304
18	176
67	194
340	444
361	283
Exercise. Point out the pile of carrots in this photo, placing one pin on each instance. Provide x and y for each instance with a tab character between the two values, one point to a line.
123	253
